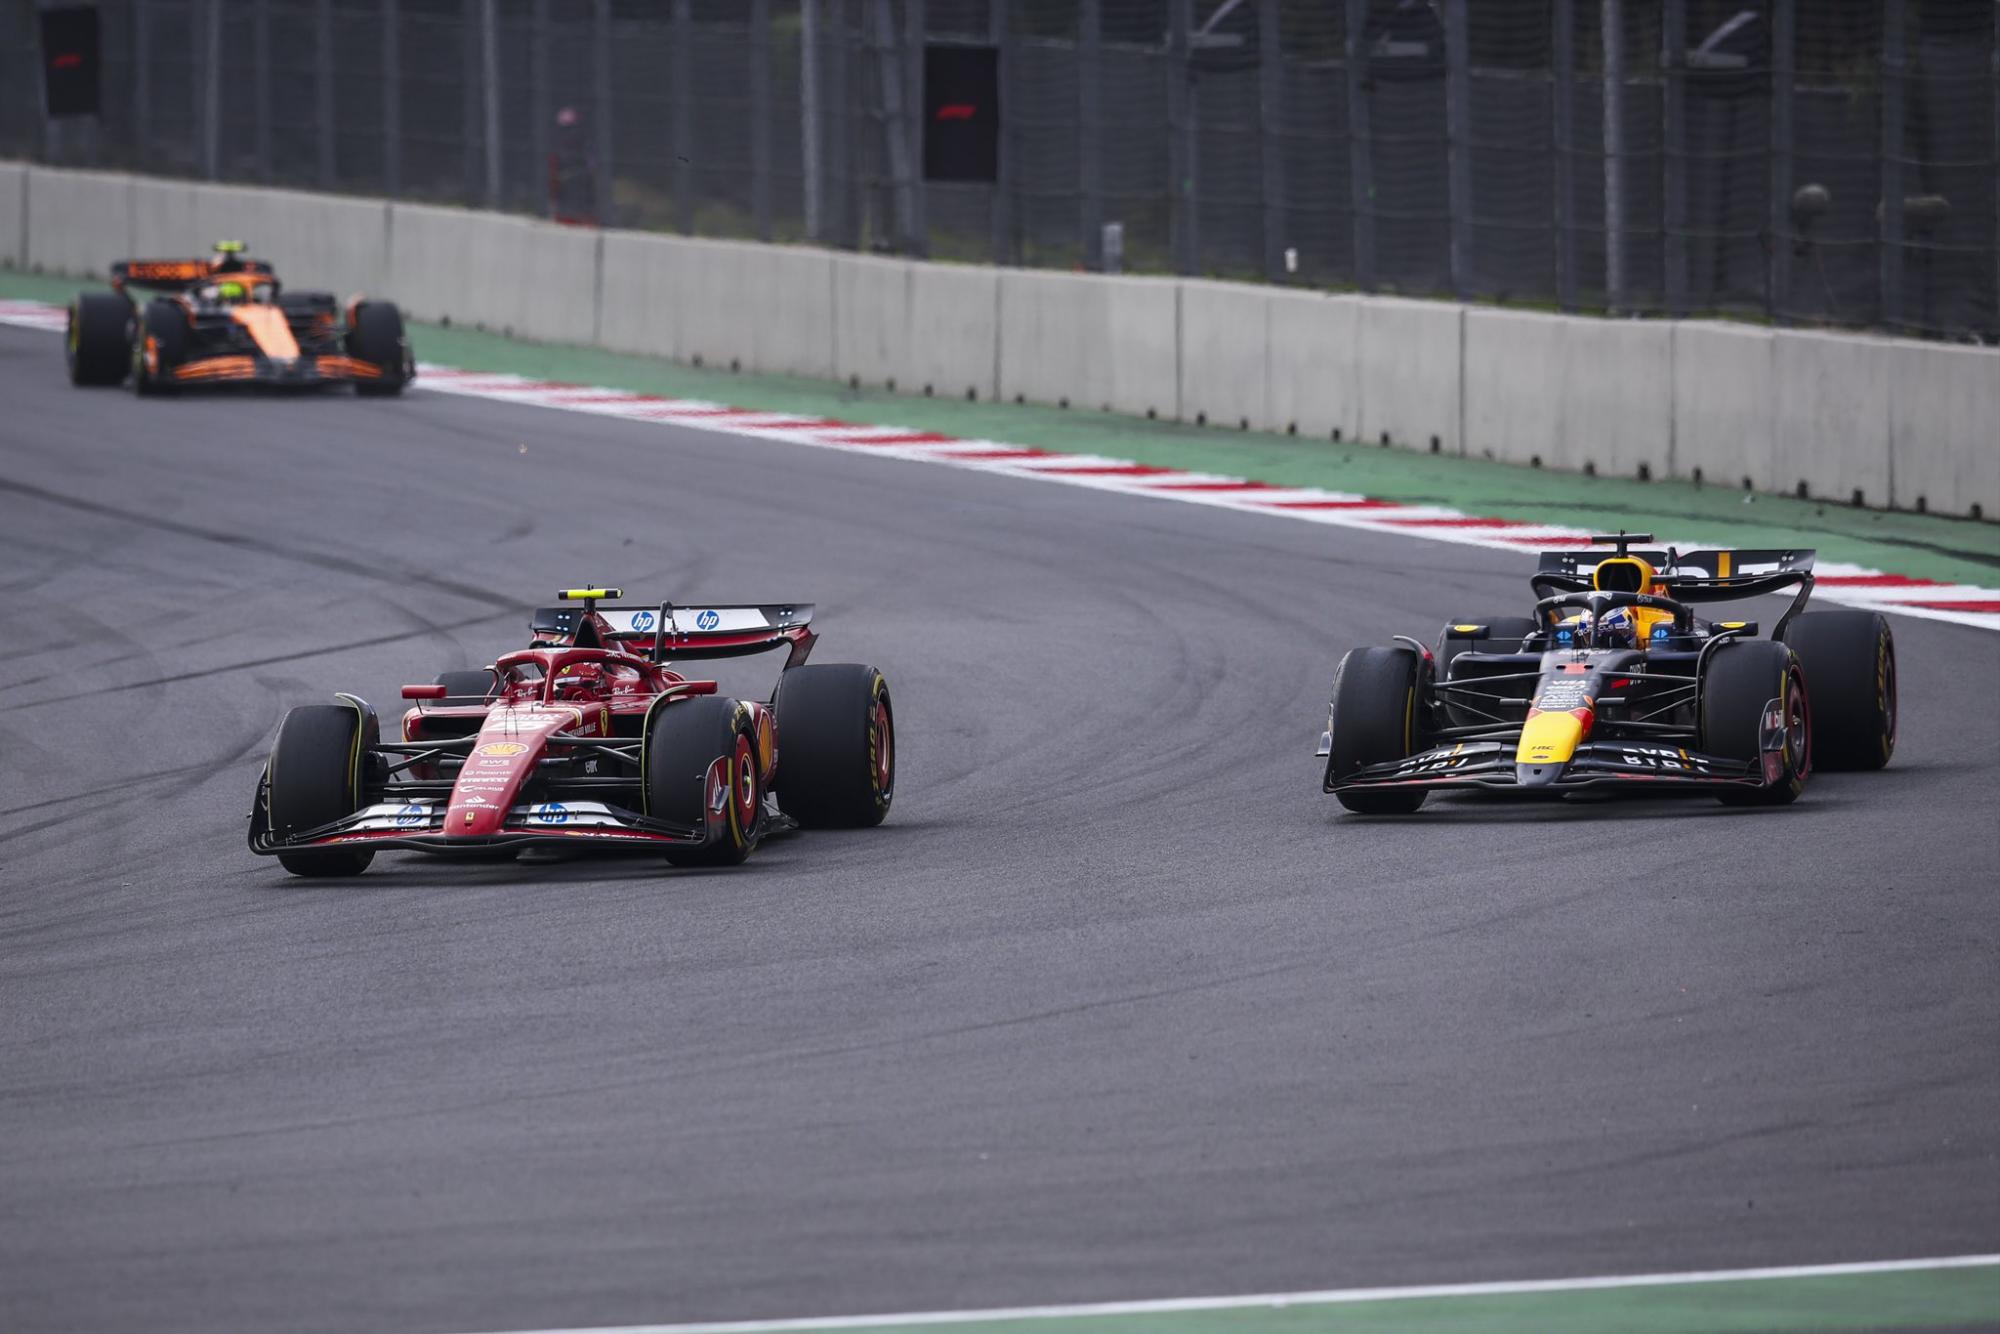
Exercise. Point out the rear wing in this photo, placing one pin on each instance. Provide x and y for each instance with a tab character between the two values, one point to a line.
708	630
1690	576
176	275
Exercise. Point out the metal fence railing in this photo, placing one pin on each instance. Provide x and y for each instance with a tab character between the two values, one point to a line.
1807	161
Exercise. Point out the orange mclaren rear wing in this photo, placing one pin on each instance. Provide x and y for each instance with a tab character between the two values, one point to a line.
175	275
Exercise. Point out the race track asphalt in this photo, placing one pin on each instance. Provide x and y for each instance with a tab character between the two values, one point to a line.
1114	1006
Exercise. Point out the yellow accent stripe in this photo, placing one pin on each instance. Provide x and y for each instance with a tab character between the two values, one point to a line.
1722	563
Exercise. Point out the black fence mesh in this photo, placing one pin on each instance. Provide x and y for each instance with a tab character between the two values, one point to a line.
1825	162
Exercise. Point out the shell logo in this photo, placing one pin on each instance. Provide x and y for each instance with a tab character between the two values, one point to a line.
501	750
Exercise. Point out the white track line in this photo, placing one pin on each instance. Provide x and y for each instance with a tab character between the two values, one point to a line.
1855	586
1283	1300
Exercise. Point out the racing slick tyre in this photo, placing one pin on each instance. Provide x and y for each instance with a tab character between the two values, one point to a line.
377	338
836	746
1740	679
1374	719
313	780
683	739
470	687
1849	659
99	347
160	346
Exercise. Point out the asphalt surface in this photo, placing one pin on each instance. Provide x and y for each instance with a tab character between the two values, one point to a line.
1114	1006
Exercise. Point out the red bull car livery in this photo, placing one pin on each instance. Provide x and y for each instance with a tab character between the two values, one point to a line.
1612	681
588	737
227	320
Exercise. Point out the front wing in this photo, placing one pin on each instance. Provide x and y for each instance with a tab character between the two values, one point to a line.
242	368
417	825
1490	766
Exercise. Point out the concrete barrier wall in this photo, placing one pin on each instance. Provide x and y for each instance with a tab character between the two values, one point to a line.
1723	412
14	214
1902	423
1225	356
1831	415
916	328
765	308
1944	428
1313	374
79	222
1409	359
1093	342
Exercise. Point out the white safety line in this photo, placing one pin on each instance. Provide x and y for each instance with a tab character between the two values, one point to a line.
1283	1300
1854	586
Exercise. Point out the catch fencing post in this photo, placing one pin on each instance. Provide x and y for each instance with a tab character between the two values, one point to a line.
1673	157
323	88
1180	126
142	82
1895	49
681	53
468	102
260	53
913	126
1090	131
1562	121
760	122
809	116
895	126
606	210
1003	186
1360	146
1784	53
840	187
211	88
1458	143
489	96
1271	111
1614	149
540	108
392	100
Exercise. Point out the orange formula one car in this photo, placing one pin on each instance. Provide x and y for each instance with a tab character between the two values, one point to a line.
227	320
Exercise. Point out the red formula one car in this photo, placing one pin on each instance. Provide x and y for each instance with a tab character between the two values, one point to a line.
587	738
226	320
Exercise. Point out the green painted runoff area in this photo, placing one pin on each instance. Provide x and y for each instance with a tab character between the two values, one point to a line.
1925	546
1935	1299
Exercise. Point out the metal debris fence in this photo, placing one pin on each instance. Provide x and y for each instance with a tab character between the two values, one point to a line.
1822	162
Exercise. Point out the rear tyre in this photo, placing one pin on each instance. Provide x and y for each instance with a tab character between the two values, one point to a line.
1374	719
377	338
470	687
683	741
1740	680
836	746
313	780
99	347
160	346
1849	659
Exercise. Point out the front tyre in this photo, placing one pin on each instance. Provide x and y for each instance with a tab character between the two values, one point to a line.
683	740
160	346
836	746
1740	684
1849	658
313	779
1374	719
377	338
98	349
